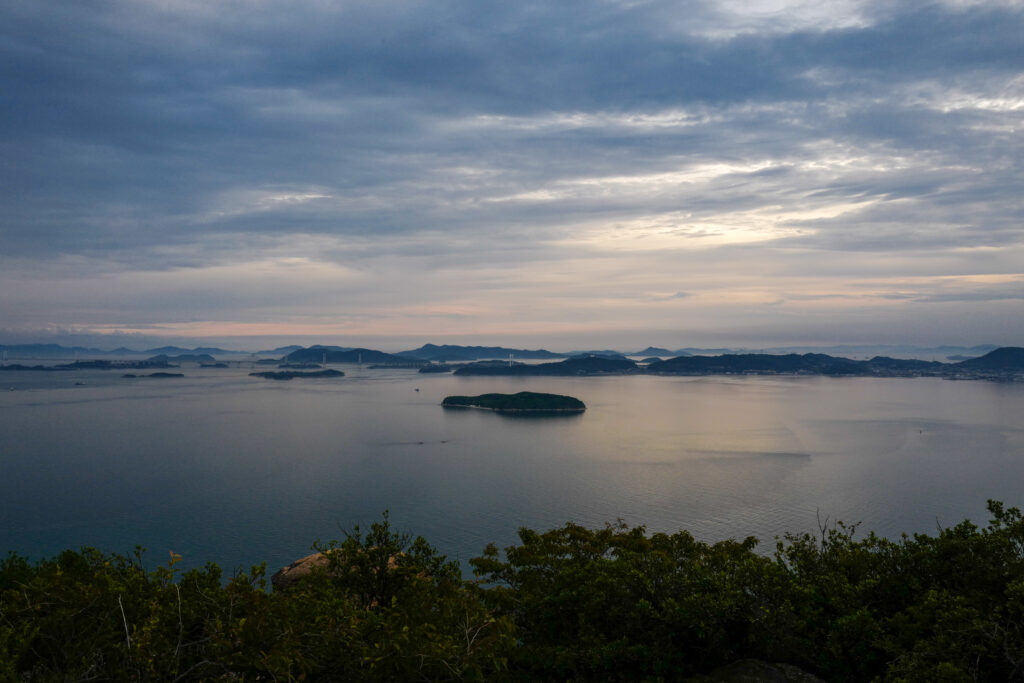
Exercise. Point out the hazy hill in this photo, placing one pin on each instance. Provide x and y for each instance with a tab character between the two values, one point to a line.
453	352
280	350
903	364
655	351
45	351
694	351
1005	358
177	350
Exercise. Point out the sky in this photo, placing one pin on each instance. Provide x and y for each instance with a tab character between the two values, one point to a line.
562	174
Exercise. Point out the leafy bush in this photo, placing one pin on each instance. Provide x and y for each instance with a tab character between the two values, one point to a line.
85	616
617	604
566	604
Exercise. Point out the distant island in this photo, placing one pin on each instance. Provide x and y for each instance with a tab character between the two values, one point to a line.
285	375
435	368
199	350
115	365
17	367
327	354
157	375
580	365
460	353
1005	364
450	352
1002	364
523	402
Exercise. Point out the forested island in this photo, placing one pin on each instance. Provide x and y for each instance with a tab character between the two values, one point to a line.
451	352
334	354
1005	363
522	402
568	604
576	366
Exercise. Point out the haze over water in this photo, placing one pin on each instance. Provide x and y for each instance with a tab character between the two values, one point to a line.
219	466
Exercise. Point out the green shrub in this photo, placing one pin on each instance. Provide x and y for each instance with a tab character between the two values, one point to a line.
569	604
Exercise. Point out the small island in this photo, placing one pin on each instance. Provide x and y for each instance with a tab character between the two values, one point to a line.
525	402
291	374
435	368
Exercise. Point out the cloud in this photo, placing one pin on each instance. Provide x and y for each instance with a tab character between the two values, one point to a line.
427	150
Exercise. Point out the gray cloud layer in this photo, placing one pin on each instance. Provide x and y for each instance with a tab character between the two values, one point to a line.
392	166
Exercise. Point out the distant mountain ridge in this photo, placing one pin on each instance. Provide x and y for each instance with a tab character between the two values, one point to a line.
59	351
460	353
657	351
321	354
46	350
199	350
279	351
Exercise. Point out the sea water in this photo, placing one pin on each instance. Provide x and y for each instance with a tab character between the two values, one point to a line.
219	466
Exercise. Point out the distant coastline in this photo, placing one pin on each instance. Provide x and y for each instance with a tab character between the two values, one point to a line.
453	353
1004	364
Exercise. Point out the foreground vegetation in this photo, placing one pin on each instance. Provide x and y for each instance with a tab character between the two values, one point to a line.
566	604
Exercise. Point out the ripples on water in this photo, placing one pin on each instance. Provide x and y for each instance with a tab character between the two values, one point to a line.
220	466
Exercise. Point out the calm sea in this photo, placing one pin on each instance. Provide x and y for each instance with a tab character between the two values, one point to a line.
219	466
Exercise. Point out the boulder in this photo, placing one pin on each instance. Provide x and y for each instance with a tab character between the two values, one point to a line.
297	570
286	577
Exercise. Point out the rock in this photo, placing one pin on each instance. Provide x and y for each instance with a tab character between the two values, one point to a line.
299	569
288	576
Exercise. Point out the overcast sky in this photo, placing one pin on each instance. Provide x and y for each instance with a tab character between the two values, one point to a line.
599	173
